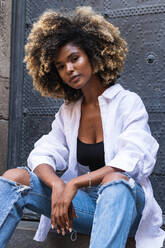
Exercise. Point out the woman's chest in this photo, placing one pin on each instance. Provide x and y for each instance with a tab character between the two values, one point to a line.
90	126
93	126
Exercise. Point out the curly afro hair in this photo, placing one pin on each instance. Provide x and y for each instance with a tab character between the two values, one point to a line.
85	28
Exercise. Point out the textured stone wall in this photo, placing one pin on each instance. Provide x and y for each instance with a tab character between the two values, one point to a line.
5	29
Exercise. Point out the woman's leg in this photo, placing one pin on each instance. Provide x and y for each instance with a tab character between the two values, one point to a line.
116	212
17	192
84	204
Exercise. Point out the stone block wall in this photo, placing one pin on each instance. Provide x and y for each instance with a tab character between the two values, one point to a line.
5	30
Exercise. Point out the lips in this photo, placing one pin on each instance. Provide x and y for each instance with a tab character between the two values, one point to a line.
74	78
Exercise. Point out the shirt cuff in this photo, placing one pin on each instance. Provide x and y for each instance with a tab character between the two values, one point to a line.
34	162
124	162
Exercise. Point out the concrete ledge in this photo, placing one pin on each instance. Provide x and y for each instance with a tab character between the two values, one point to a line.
23	238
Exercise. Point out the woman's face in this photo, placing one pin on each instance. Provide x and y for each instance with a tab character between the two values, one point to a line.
73	66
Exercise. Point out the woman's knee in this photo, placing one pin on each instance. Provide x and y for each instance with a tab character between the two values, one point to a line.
113	176
18	175
119	189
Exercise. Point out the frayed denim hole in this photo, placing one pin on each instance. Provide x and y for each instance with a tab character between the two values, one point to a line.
30	174
16	186
8	181
130	183
23	188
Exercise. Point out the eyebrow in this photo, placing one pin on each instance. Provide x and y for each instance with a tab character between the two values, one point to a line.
70	55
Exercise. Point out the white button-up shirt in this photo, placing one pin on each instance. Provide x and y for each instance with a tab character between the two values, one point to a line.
128	145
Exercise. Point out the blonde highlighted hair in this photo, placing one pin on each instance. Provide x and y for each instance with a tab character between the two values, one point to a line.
85	28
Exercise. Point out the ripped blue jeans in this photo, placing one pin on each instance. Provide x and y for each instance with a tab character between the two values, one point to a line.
109	213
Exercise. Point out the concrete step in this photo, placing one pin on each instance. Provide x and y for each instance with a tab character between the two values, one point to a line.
24	233
23	238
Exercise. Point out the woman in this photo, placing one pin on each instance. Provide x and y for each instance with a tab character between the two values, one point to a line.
100	137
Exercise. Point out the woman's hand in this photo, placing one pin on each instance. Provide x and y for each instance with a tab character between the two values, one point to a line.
57	190
64	211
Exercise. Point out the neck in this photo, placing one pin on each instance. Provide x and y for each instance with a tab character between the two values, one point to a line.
92	91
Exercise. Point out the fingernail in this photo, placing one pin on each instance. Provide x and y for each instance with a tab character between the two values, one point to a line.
52	226
67	224
70	230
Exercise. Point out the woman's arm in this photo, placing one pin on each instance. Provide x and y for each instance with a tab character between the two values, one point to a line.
52	148
136	148
64	211
47	175
95	177
50	153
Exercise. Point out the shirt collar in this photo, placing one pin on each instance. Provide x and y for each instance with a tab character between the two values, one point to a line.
112	91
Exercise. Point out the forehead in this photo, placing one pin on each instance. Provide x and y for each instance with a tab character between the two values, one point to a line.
67	50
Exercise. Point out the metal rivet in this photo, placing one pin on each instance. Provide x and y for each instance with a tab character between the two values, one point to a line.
150	59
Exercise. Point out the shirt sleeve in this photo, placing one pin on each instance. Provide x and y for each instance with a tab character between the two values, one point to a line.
136	147
51	148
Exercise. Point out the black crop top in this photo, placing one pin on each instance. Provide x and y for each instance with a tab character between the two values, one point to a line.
91	155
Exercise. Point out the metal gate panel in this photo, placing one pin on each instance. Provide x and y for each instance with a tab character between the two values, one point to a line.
142	24
144	69
125	4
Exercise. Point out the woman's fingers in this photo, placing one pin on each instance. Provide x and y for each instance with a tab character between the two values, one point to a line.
60	209
71	213
62	216
62	222
53	215
66	214
57	191
59	218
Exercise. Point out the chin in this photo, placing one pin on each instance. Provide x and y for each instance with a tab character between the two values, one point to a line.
77	86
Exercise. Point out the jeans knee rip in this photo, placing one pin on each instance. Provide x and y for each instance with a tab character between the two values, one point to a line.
22	188
130	183
30	174
19	187
13	197
5	180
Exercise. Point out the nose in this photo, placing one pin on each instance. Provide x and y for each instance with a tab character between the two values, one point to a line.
69	68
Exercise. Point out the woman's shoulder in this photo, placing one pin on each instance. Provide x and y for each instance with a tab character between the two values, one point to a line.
124	100
67	110
118	93
127	95
130	102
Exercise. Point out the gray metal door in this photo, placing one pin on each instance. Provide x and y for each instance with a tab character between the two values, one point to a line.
142	24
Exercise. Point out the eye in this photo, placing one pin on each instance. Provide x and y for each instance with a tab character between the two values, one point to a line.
75	58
